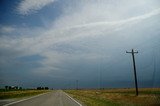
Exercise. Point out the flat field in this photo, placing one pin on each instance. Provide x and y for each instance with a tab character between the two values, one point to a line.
117	97
8	94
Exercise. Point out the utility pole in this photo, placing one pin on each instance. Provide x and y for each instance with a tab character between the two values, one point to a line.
134	66
77	84
154	70
100	80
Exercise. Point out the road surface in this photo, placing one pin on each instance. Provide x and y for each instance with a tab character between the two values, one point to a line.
57	98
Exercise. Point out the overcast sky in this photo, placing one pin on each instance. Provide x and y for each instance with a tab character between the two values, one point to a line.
56	42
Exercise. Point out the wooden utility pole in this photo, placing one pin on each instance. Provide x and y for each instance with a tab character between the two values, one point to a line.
77	84
134	66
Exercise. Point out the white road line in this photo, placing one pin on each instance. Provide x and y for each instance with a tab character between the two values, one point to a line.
73	99
24	99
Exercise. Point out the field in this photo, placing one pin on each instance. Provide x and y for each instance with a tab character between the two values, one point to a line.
117	97
19	93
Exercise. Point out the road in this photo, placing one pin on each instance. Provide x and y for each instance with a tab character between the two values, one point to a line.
57	98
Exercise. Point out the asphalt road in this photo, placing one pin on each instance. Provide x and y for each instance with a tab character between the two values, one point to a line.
57	98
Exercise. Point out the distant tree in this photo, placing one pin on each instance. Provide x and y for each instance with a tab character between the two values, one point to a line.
42	88
10	87
6	87
38	88
16	87
46	88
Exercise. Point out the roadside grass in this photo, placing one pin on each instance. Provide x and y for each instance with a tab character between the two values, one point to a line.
92	98
8	94
118	97
94	101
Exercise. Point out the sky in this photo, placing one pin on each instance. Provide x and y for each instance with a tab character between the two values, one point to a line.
56	42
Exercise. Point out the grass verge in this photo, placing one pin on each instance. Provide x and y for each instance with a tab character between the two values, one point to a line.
117	97
20	93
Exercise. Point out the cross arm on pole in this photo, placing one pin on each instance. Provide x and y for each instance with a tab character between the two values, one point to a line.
128	52
132	51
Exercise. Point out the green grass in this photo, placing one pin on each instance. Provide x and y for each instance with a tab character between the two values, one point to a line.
92	100
117	97
8	94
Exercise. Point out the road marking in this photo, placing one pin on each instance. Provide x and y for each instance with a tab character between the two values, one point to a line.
24	99
72	99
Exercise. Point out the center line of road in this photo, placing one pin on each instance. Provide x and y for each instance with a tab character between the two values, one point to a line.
72	99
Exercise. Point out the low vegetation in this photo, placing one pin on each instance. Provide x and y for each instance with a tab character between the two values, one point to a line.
118	97
7	94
